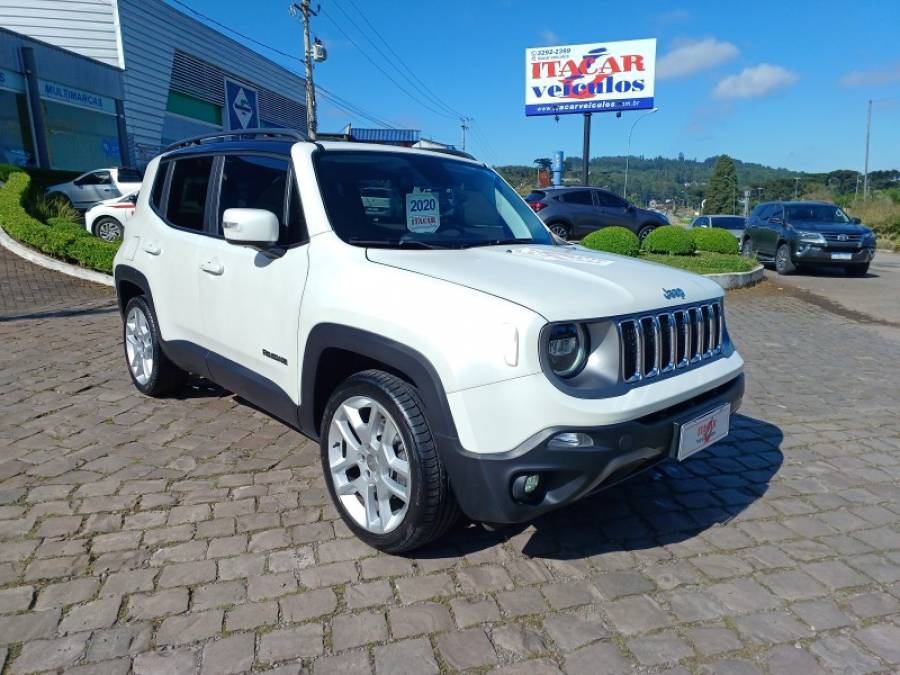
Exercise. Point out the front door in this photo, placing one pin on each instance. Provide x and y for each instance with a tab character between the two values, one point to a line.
250	297
581	211
92	188
614	210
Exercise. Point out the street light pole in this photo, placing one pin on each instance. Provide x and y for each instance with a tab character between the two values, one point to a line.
628	149
866	175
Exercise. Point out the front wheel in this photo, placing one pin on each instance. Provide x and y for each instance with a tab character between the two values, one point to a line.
783	262
856	270
108	229
747	248
381	465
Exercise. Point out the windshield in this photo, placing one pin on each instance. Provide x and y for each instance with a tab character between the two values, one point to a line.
395	200
732	223
822	213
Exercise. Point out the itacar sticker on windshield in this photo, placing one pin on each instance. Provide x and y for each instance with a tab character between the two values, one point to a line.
423	213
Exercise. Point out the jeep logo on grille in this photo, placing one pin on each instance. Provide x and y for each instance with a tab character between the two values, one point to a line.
842	237
672	293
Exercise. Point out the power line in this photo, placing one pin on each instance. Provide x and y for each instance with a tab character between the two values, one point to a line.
403	68
384	72
334	99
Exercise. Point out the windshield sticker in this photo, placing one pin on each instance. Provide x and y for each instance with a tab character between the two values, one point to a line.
423	213
561	256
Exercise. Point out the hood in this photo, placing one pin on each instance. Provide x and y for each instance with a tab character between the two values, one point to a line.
830	228
656	215
560	283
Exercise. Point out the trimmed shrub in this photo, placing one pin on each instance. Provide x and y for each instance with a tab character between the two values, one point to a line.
714	240
669	239
59	238
619	240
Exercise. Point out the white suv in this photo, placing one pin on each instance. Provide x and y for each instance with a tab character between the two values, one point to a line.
444	350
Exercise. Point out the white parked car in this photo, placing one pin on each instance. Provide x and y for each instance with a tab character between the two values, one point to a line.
107	219
444	349
732	224
97	186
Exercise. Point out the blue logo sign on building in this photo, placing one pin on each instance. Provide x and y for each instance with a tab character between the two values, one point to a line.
241	106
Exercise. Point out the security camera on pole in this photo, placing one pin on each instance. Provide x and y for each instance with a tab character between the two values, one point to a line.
589	78
312	51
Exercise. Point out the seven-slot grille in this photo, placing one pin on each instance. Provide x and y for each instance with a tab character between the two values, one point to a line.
662	342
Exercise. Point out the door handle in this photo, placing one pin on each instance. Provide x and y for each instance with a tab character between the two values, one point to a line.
213	267
152	249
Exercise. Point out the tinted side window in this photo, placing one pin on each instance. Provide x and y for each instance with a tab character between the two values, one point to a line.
578	197
775	211
701	222
159	182
610	200
253	182
187	192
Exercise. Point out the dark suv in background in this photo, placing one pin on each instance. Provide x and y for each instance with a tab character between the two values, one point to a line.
573	212
793	234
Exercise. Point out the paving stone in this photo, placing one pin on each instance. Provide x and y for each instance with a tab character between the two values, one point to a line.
792	660
251	616
566	594
636	614
712	641
821	614
793	585
241	566
219	594
835	574
613	585
520	602
870	605
121	641
603	658
771	627
744	595
840	654
369	594
15	599
883	639
132	581
659	649
100	613
571	631
156	605
520	640
415	589
309	605
233	654
355	630
699	605
466	649
177	662
469	612
291	643
187	574
348	663
405	657
28	626
419	619
41	655
192	627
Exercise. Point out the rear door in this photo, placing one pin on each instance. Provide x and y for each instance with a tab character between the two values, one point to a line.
580	208
250	297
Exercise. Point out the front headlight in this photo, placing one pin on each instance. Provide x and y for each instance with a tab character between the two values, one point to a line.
812	237
567	349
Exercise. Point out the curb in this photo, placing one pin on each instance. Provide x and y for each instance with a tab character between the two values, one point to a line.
732	280
42	260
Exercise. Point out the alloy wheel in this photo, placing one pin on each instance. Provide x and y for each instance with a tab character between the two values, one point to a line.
139	345
109	230
369	464
559	230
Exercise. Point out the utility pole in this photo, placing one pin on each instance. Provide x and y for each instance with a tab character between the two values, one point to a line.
796	187
463	127
856	192
305	11
586	149
866	174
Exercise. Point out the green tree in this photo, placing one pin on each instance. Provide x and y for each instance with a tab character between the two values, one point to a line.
721	194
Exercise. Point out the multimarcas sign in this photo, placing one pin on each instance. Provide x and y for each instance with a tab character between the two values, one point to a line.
599	77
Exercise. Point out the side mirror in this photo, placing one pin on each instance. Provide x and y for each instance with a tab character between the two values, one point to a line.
250	227
857	221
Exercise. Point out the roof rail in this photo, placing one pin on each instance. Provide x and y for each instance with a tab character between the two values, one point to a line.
221	136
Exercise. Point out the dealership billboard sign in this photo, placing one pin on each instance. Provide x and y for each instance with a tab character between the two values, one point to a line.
597	77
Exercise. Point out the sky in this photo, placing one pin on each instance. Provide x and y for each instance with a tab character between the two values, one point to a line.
779	83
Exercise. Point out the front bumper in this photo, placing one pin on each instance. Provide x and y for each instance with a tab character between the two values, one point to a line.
483	483
816	254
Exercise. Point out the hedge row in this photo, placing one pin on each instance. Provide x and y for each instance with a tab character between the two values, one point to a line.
714	240
619	240
59	238
668	240
671	240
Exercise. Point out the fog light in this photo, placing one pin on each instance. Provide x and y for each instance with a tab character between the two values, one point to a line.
570	439
532	482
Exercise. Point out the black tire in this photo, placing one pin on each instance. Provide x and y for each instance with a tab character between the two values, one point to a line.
645	230
856	270
113	224
747	248
164	377
783	263
561	230
432	508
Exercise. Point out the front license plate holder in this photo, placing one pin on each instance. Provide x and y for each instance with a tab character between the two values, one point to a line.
842	256
703	431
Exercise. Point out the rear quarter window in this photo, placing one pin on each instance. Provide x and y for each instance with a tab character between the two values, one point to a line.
159	183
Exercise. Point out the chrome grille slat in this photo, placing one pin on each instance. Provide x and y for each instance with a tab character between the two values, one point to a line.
659	343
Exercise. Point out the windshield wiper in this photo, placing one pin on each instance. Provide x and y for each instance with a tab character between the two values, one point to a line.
393	243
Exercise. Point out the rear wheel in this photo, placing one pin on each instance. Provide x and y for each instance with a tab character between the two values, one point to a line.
151	370
783	262
561	230
107	228
856	270
381	465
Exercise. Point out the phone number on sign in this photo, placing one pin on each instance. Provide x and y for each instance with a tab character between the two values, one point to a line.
539	54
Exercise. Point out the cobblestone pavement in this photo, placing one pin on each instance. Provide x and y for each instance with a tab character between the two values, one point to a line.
195	535
26	289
